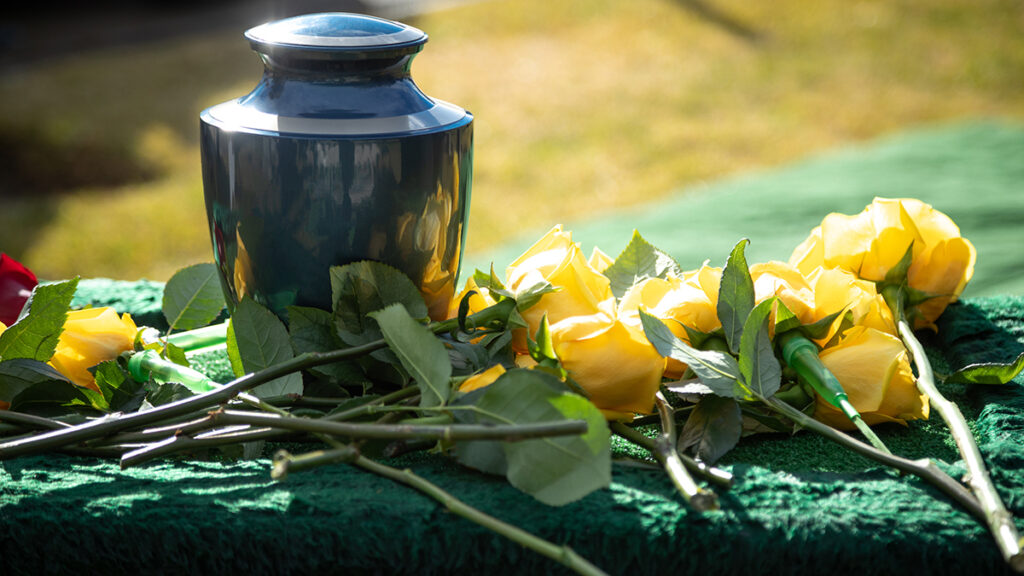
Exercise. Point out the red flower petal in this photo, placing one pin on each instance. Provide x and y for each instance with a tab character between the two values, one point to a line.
16	284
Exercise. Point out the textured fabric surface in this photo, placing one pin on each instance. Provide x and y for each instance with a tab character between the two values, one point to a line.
799	505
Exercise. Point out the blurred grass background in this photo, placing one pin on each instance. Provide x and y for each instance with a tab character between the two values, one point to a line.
582	107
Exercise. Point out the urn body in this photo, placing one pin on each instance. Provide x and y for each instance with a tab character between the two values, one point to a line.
336	156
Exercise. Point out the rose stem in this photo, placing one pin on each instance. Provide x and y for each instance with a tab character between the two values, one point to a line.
223	418
506	433
562	554
801	354
716	476
370	406
175	444
114	423
665	444
925	469
31	420
996	516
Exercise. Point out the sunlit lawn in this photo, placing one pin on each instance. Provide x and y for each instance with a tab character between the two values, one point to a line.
580	107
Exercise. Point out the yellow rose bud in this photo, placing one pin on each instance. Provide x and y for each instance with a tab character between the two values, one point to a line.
485	378
91	336
612	361
555	258
691	300
874	369
871	243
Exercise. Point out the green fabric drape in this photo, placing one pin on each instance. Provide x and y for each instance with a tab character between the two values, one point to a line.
800	505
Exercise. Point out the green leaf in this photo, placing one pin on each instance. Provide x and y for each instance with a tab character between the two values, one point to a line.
760	369
785	319
167	393
542	348
360	288
717	370
639	261
557	470
35	334
193	297
421	353
897	275
467	358
118	390
820	328
483	455
19	374
713	428
527	296
51	393
176	354
988	373
486	280
262	341
845	324
696	337
234	357
313	330
735	295
464	310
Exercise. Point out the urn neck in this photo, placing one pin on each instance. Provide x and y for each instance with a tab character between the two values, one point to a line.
336	94
326	67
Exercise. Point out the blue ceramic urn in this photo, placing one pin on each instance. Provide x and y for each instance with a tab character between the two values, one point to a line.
336	156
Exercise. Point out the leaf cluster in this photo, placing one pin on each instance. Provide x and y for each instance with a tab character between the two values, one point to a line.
736	368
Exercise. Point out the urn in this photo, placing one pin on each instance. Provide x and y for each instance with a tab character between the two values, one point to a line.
336	156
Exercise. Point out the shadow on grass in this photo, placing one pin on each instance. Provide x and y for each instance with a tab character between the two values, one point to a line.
33	165
34	171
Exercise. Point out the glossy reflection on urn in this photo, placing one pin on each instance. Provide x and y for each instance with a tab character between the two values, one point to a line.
336	156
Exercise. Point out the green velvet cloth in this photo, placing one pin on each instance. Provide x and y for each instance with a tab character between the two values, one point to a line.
799	505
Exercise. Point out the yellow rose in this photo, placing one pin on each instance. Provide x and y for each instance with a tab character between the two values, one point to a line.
874	369
691	300
555	258
788	285
91	336
871	243
822	293
485	378
836	289
612	361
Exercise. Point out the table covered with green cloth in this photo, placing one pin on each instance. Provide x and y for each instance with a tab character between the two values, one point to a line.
799	504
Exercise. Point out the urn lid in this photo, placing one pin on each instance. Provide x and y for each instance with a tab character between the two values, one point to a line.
340	33
336	75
